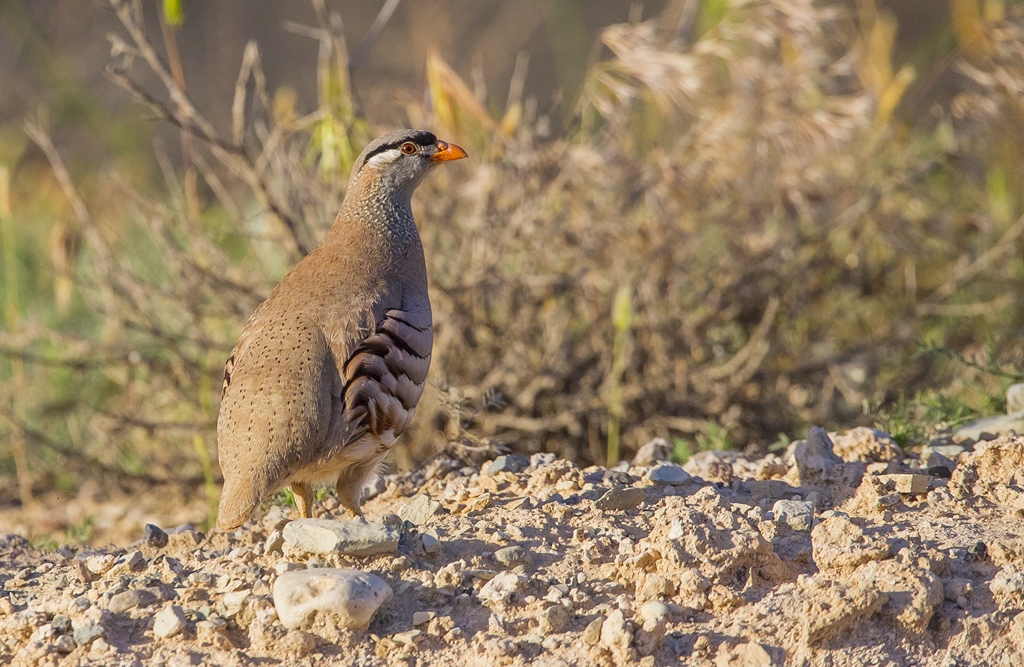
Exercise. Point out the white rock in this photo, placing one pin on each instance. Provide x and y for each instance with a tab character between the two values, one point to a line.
616	636
355	537
1008	585
232	602
169	621
100	563
353	596
87	632
408	638
274	542
287	566
418	510
421	617
502	587
431	542
655	610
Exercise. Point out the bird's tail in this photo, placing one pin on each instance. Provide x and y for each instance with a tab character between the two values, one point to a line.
237	502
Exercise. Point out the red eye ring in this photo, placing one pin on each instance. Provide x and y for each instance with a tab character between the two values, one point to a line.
408	148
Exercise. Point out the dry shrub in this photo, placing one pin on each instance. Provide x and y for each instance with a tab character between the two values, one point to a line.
784	239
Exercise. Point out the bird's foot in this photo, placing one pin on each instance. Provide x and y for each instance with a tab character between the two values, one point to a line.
303	499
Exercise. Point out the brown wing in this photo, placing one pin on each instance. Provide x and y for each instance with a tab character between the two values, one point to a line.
385	374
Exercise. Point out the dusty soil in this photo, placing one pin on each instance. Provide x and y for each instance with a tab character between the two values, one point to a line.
900	564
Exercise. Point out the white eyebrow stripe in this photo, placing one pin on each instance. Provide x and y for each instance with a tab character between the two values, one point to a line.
385	158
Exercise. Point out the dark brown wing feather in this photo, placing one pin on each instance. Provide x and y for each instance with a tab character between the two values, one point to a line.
385	374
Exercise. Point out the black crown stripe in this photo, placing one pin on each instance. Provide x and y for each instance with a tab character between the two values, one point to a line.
423	139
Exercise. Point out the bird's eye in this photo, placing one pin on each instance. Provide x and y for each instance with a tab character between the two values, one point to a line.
408	148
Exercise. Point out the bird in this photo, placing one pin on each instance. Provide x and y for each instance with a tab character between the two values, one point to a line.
327	371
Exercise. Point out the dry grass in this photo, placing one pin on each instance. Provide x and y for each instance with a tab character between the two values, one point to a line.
784	235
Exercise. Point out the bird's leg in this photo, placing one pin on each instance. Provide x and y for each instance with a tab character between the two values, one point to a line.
348	496
303	499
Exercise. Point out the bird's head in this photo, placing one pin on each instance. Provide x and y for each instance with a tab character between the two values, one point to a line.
399	160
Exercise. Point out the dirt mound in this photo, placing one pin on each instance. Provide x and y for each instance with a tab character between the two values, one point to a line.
828	556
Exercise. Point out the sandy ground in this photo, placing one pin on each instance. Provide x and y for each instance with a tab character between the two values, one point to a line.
804	559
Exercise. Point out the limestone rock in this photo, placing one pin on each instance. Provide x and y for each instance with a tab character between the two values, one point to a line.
616	636
668	474
1007	586
355	537
125	600
169	621
797	513
622	499
555	619
991	467
906	483
86	632
351	596
999	425
422	617
419	510
501	588
513	555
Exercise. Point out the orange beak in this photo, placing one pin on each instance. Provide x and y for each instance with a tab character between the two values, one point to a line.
447	151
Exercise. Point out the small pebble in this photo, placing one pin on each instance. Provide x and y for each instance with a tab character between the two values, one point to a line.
87	631
154	536
169	621
654	610
798	514
668	474
512	556
274	542
61	624
421	617
64	644
431	543
888	500
592	634
508	463
287	566
621	499
125	600
555	619
419	510
541	459
617	477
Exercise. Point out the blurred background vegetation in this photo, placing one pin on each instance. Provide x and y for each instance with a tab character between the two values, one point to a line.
715	221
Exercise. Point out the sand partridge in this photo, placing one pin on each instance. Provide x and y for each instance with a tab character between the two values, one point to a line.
327	372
